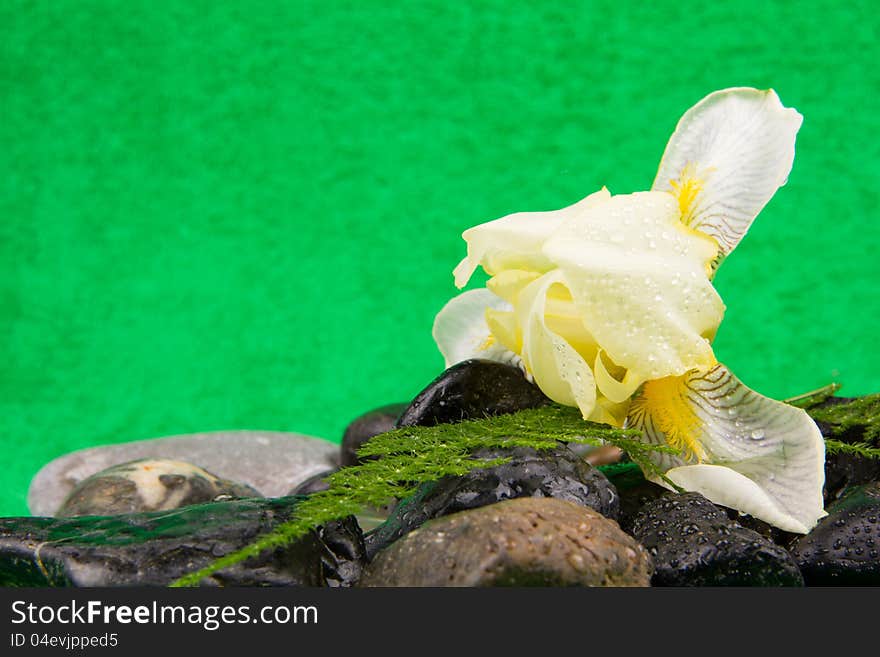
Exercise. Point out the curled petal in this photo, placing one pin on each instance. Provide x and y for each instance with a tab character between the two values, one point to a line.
739	449
509	283
613	390
638	278
461	332
727	157
514	241
558	369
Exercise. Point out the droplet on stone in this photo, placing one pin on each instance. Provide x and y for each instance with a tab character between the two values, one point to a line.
675	528
495	546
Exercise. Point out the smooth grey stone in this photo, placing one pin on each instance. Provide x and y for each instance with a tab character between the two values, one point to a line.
149	485
528	541
272	462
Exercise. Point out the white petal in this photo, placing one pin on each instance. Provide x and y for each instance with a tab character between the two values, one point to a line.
558	369
460	329
514	241
639	279
726	486
727	157
740	449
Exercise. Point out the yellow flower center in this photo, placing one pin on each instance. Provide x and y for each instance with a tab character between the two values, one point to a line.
667	403
686	189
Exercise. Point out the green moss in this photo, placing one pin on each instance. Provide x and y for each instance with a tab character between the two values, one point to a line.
851	427
859	417
409	457
862	449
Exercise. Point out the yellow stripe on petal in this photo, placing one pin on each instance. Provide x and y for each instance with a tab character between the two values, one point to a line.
727	157
668	402
686	189
739	449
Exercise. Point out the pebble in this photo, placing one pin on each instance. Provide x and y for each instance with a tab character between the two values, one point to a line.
559	474
520	542
471	390
364	427
694	543
844	548
148	485
156	548
269	461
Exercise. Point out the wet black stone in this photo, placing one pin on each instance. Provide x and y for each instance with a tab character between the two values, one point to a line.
844	548
345	555
768	531
158	547
362	428
471	390
694	543
845	471
634	498
557	474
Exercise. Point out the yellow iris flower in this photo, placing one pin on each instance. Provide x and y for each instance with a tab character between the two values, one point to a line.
608	305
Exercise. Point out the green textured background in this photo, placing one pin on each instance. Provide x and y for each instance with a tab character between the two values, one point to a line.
219	216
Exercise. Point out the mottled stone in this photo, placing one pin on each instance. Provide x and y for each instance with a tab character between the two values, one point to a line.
521	542
269	461
362	428
158	547
149	485
471	390
694	543
559	474
844	548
